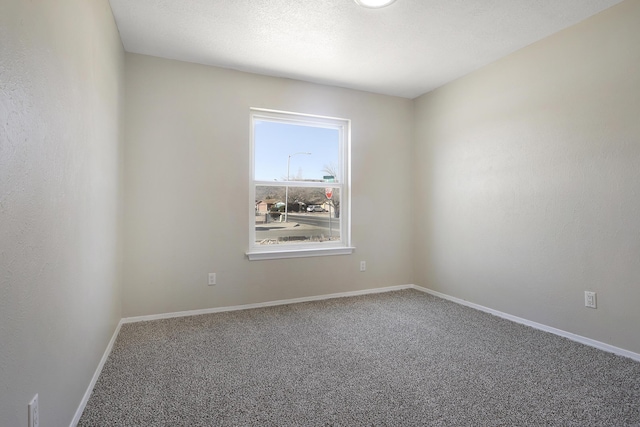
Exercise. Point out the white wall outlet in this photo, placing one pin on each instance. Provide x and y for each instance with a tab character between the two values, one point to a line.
34	417
212	279
590	299
363	265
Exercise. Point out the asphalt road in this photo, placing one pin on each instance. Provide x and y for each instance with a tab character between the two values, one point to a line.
311	225
318	219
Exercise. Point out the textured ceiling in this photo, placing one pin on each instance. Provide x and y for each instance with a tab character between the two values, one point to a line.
406	49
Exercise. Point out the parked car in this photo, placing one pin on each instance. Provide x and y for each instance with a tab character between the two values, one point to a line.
315	208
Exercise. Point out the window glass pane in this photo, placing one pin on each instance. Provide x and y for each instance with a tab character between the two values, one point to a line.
309	216
291	152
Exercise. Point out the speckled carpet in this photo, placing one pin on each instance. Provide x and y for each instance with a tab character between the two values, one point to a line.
401	358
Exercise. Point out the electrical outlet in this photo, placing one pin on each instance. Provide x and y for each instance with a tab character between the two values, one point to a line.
363	265
590	299
34	417
212	279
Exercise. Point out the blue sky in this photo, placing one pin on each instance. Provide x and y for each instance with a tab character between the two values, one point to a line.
275	141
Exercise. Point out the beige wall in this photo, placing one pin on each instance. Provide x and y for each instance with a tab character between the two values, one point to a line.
187	183
61	66
528	179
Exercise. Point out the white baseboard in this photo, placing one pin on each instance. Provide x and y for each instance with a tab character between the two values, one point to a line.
560	332
94	379
262	304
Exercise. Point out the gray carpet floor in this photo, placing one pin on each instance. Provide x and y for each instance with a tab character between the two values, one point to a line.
401	358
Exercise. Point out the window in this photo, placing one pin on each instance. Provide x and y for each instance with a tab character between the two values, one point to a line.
299	196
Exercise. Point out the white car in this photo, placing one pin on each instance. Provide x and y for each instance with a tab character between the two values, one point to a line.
315	208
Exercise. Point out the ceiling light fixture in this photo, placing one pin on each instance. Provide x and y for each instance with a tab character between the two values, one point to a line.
374	4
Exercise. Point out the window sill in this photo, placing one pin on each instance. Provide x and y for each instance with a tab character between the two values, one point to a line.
298	253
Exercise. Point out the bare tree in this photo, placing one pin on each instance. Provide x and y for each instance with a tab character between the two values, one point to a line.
268	192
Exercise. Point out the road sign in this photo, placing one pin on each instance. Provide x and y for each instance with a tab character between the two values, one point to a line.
328	192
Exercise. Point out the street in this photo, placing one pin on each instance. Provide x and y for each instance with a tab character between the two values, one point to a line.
318	219
301	227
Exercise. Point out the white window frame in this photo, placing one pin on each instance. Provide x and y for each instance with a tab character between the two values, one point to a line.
308	249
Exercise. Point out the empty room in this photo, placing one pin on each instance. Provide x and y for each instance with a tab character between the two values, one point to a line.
314	213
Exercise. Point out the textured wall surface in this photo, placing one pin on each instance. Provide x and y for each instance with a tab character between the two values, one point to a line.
527	175
61	67
187	184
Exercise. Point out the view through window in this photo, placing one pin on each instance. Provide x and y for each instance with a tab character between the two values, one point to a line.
299	182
